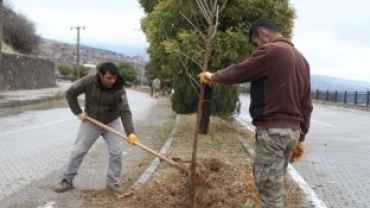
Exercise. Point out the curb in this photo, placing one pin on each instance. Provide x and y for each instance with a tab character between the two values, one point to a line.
153	166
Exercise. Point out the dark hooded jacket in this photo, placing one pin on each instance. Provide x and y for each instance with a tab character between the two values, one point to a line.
102	104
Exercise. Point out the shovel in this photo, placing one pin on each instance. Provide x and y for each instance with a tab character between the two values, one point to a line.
174	164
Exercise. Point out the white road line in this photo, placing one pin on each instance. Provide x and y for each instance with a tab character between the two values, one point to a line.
310	194
39	126
322	123
249	127
48	205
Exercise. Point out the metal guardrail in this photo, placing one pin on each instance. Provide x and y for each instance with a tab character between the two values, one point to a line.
346	97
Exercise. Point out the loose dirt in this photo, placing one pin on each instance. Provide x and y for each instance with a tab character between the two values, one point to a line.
224	173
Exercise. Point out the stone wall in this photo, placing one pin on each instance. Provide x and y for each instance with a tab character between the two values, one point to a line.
24	72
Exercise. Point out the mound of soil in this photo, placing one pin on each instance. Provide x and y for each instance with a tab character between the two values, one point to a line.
218	184
224	176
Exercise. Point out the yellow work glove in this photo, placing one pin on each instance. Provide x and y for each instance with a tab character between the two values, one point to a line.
82	116
297	153
205	78
131	139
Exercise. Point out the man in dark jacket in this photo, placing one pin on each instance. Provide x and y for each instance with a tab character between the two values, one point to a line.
280	106
105	101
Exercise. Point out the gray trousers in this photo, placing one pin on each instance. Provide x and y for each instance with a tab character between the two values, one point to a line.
272	153
88	133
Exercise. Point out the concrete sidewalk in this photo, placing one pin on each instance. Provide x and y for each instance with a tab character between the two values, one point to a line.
13	98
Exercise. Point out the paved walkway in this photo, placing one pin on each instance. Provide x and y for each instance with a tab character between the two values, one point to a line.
336	165
33	154
24	97
337	161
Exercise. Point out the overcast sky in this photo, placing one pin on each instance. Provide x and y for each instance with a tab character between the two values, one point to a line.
110	24
332	34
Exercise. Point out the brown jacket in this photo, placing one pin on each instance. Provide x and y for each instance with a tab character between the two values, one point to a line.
101	103
280	88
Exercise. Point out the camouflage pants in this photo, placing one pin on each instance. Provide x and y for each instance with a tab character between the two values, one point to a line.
272	152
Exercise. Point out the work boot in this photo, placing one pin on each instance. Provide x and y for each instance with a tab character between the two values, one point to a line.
63	186
115	187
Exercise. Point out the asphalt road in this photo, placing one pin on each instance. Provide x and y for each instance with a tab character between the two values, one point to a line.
37	141
337	160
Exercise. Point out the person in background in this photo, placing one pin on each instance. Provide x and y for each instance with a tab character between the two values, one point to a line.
150	84
156	86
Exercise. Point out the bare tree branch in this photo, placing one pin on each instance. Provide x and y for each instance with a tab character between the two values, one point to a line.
205	2
203	10
214	7
197	63
187	19
223	6
192	80
164	29
215	25
206	5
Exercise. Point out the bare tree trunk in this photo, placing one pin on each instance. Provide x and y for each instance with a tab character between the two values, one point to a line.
205	95
202	109
206	110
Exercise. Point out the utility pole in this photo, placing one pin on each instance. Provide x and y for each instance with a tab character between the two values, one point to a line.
1	31
78	48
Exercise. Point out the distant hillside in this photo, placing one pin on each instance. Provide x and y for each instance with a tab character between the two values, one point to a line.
337	84
60	52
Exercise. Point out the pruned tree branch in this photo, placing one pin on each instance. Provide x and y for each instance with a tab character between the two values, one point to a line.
196	29
191	78
193	81
197	63
206	5
214	6
203	10
215	25
164	29
223	6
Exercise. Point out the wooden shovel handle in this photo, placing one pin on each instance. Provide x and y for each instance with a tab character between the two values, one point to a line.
176	165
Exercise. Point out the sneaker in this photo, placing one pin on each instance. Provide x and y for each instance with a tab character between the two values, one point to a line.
63	186
115	187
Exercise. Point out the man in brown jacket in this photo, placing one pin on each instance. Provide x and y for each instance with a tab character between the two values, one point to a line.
105	101
280	105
